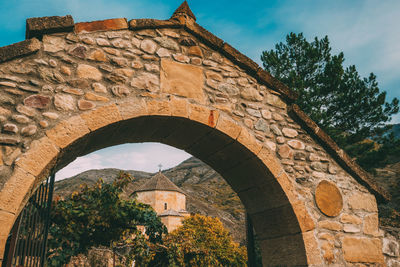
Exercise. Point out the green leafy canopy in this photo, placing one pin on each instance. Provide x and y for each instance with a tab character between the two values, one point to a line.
98	216
349	108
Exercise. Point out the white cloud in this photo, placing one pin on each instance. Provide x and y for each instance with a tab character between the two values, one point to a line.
140	156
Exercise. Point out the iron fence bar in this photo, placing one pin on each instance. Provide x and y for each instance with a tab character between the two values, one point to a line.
13	242
36	229
47	221
39	229
31	230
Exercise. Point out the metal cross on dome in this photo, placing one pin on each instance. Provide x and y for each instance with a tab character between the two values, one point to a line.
159	167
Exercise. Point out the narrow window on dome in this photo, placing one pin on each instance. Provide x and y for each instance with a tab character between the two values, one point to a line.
165	206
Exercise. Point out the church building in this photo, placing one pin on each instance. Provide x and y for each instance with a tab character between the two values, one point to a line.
168	200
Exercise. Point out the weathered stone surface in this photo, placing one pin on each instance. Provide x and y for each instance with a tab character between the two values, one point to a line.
119	61
50	115
37	27
10	128
120	91
40	154
167	43
251	94
95	97
101	116
296	144
64	102
29	130
182	80
85	105
98	55
330	225
88	72
101	25
371	224
68	131
348	218
291	133
285	152
275	101
162	52
78	51
181	58
363	201
20	49
98	87
195	51
73	91
53	44
37	101
364	250
391	247
148	46
261	125
8	84
351	228
21	119
146	81
79	83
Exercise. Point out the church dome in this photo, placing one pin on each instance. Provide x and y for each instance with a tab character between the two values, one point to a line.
159	182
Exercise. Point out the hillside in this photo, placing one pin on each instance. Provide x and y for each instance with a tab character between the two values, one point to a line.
207	192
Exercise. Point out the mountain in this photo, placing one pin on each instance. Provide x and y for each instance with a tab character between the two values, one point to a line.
207	192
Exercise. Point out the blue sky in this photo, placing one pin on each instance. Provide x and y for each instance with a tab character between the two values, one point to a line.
367	31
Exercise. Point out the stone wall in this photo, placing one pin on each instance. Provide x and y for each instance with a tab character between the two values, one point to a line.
47	95
391	247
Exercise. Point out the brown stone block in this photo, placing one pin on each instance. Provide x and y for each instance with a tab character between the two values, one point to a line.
68	131
102	25
179	107
138	24
371	224
362	201
330	225
286	250
304	218
6	222
242	60
101	116
348	218
249	141
132	108
182	79
15	190
228	126
3	240
361	249
19	49
312	249
203	115
157	107
37	27
39	156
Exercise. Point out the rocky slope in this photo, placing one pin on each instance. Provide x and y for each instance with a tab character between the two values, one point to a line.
207	192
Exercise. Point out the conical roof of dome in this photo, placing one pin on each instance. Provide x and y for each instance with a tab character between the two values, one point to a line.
159	182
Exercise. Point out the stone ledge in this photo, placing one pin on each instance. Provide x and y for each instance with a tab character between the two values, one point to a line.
37	27
204	35
19	49
266	78
139	24
101	25
339	155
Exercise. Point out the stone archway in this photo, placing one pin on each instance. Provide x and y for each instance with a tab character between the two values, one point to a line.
87	86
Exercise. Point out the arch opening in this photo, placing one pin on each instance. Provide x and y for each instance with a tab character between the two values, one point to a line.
265	201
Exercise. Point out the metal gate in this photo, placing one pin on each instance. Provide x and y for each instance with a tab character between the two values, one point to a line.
26	245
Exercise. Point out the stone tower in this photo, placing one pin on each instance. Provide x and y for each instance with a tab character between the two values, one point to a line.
168	200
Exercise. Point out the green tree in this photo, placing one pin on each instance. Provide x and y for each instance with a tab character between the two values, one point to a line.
98	216
349	108
200	241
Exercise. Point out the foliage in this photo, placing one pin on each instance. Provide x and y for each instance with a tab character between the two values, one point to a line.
98	216
200	241
349	108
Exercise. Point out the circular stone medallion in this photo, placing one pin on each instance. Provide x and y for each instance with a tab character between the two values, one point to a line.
328	198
